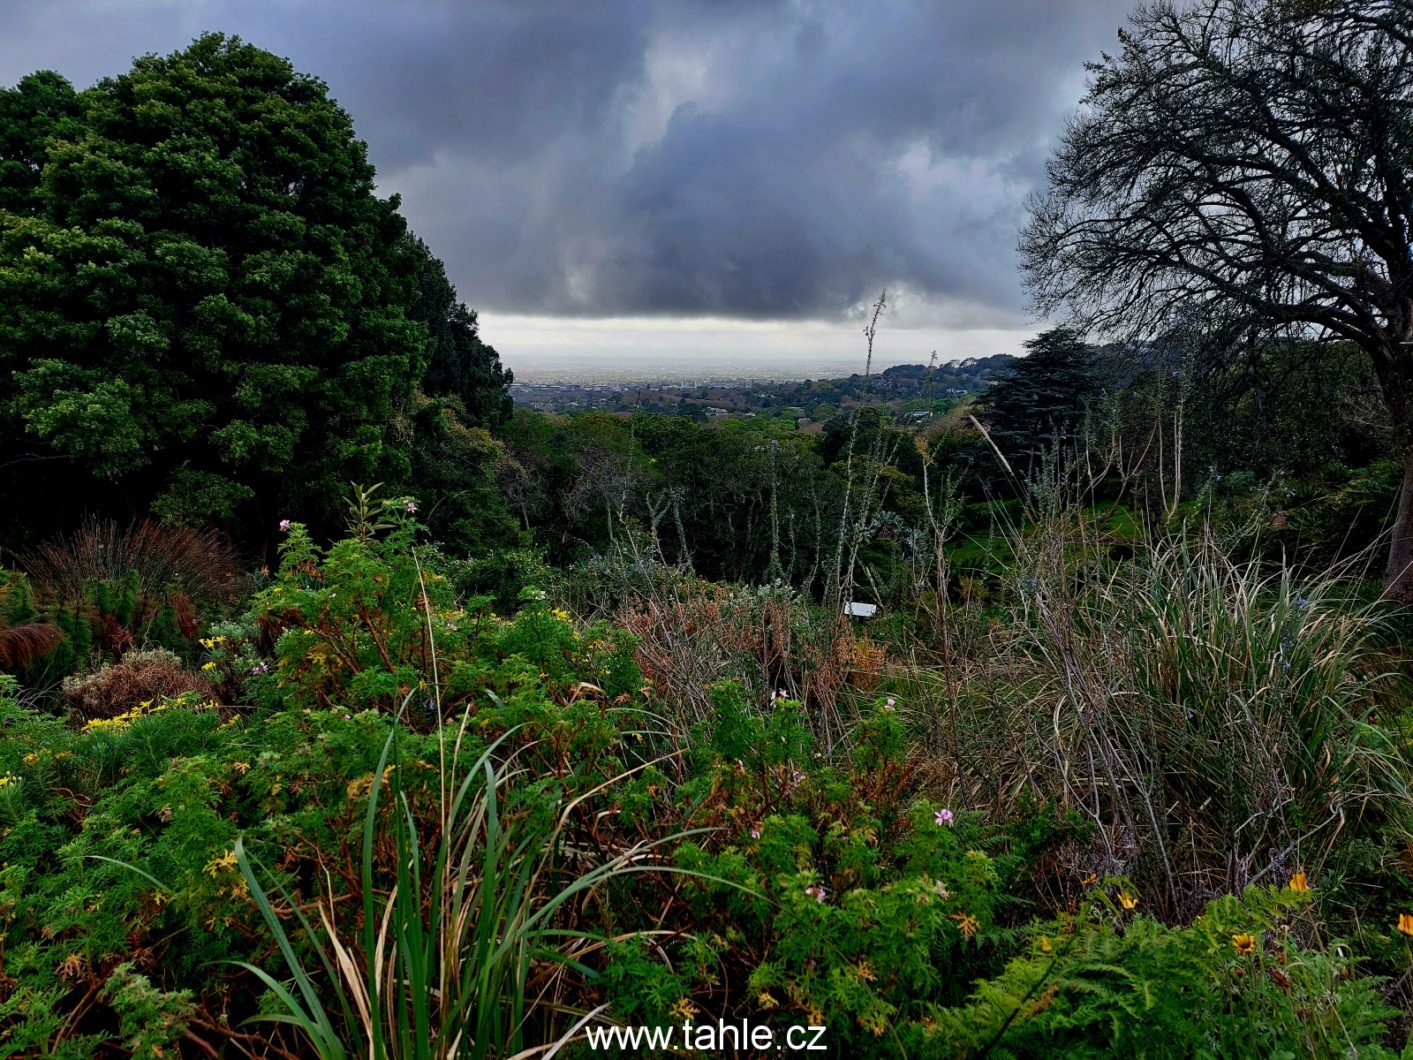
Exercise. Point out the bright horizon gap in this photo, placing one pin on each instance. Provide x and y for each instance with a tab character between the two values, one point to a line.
538	347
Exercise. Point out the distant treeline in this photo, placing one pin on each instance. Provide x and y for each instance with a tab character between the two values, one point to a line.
904	388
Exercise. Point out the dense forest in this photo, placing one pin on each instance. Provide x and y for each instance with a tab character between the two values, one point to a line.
350	710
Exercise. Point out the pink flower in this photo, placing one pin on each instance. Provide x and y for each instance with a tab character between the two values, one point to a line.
816	892
410	505
755	832
944	816
284	526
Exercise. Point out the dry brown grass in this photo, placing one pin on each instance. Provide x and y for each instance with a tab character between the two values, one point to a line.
693	634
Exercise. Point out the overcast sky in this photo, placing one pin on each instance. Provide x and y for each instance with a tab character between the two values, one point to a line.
665	184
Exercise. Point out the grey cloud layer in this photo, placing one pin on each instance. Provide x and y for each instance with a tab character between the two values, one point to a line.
742	159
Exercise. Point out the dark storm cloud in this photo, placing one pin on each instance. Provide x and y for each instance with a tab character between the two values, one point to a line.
740	159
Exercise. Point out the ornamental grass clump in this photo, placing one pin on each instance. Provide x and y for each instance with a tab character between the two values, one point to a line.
1213	717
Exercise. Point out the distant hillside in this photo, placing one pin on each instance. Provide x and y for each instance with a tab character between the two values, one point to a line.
908	387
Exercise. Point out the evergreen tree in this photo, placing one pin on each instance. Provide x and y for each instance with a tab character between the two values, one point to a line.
1044	399
460	365
205	309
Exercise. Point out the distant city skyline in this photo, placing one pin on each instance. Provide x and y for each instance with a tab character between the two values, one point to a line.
652	182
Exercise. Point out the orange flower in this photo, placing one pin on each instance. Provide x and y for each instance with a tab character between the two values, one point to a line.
1405	923
1298	884
1243	944
1128	901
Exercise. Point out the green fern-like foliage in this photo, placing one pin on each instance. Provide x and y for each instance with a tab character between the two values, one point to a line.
1235	983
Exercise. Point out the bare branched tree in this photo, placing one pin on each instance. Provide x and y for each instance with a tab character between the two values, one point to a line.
1248	162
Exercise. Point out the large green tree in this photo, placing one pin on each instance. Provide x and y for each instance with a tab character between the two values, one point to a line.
204	304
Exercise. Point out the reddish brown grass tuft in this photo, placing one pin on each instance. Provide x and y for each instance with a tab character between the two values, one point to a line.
200	564
22	645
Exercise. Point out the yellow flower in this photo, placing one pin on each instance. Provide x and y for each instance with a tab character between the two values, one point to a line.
1044	944
1243	943
208	666
1128	901
30	759
1405	923
560	614
1298	884
7	780
224	863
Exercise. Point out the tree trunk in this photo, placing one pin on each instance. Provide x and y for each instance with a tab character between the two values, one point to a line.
1393	366
1398	578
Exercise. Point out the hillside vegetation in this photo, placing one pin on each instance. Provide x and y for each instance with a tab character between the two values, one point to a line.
349	711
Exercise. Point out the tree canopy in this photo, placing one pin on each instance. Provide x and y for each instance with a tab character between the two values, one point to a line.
460	364
203	301
1246	163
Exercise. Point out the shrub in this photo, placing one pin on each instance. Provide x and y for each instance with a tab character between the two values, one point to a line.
1236	983
365	623
824	892
445	829
141	677
693	634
